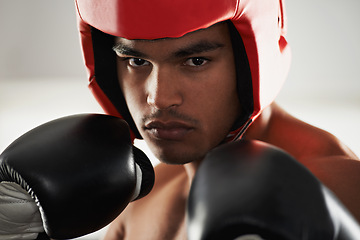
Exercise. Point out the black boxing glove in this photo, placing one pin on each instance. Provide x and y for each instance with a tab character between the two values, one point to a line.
70	177
252	190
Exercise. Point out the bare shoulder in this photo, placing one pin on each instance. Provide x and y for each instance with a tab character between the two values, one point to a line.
333	163
303	140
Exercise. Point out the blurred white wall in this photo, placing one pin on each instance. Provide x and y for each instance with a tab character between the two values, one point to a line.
39	40
42	76
323	87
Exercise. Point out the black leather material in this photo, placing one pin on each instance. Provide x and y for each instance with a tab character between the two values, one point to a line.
249	187
80	169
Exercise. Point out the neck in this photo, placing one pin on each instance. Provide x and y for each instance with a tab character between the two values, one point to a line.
260	127
191	169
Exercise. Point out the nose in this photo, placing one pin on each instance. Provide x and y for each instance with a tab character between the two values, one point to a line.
163	89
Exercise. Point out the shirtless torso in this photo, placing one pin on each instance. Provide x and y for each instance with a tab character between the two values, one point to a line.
161	215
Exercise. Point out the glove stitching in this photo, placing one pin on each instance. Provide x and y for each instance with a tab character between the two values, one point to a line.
16	202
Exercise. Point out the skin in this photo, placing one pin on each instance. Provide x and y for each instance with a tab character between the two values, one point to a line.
166	95
170	92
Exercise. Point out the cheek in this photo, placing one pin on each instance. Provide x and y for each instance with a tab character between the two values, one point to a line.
134	99
222	111
218	104
135	106
221	92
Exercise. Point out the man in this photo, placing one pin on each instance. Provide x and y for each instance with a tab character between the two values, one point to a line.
188	76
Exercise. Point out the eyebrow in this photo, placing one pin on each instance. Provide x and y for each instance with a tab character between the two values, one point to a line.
195	48
121	48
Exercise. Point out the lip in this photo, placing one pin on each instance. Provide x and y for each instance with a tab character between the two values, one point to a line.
170	130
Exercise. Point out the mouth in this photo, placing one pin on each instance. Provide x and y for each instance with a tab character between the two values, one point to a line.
170	130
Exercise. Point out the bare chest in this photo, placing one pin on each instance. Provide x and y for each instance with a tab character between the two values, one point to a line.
156	228
161	217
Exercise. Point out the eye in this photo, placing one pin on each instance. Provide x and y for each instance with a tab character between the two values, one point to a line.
196	61
137	62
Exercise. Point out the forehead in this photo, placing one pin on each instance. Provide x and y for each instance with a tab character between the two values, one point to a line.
216	34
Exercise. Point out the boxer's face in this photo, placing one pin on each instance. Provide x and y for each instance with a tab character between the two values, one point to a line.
180	92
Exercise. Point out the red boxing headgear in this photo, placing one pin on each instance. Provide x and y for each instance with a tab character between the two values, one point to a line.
261	25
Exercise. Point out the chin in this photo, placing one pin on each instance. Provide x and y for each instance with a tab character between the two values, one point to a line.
174	161
176	156
178	152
